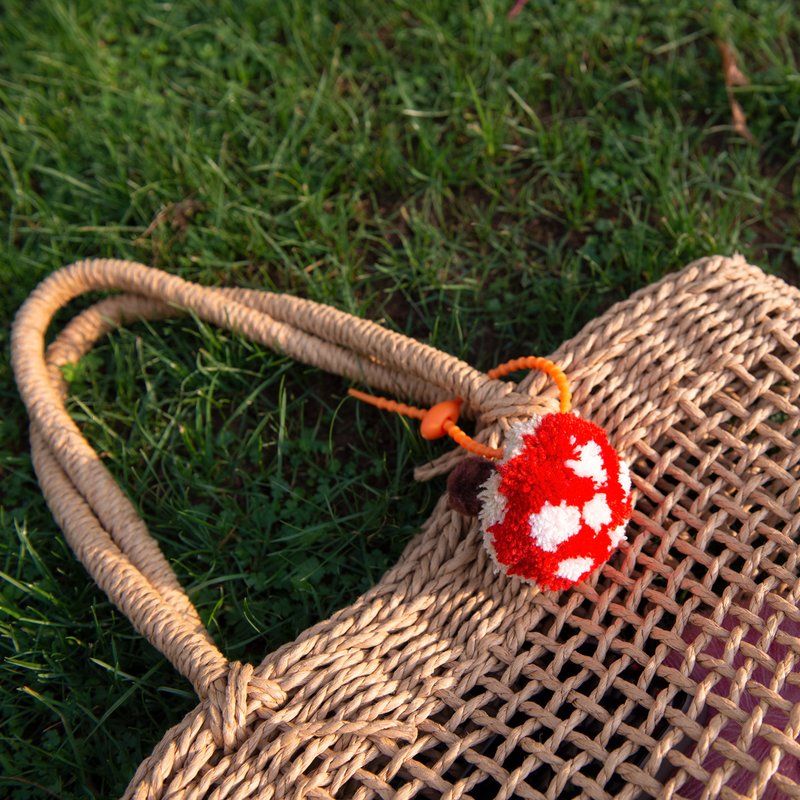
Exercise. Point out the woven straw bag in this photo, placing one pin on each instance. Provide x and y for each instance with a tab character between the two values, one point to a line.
670	673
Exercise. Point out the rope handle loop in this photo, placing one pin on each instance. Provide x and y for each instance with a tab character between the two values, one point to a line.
99	521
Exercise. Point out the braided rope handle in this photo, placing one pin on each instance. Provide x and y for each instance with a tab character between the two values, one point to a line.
99	522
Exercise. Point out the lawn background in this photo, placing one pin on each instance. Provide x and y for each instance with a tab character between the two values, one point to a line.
486	184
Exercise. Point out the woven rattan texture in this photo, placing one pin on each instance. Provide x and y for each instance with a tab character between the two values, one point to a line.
671	672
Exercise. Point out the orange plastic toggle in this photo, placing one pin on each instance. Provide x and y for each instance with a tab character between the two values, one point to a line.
433	423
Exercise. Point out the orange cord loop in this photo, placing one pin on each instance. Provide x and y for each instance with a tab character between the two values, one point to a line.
543	365
440	420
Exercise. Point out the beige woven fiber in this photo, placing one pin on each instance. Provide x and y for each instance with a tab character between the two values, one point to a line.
672	672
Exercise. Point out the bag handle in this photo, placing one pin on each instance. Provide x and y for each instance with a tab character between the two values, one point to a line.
99	522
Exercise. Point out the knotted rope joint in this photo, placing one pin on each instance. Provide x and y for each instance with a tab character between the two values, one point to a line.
234	697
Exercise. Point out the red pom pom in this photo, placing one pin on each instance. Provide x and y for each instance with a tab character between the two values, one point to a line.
557	505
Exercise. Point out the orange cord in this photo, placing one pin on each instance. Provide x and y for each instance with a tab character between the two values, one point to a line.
384	404
469	444
543	365
440	420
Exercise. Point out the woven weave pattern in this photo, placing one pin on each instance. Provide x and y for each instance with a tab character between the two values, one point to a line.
672	671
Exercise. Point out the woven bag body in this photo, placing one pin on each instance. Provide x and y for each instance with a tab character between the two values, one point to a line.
672	672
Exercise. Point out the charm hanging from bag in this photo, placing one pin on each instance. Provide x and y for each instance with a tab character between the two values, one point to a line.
554	503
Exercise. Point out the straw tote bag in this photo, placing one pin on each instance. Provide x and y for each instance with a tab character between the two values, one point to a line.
671	672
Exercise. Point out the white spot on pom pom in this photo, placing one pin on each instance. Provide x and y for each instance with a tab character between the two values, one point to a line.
514	438
596	512
570	569
625	478
589	464
493	504
617	535
553	525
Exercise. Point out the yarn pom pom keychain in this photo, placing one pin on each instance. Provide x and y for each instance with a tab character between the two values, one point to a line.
554	503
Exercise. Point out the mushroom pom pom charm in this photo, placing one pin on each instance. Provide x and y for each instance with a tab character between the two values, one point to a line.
553	505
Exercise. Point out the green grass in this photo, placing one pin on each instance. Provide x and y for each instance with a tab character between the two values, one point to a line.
488	185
